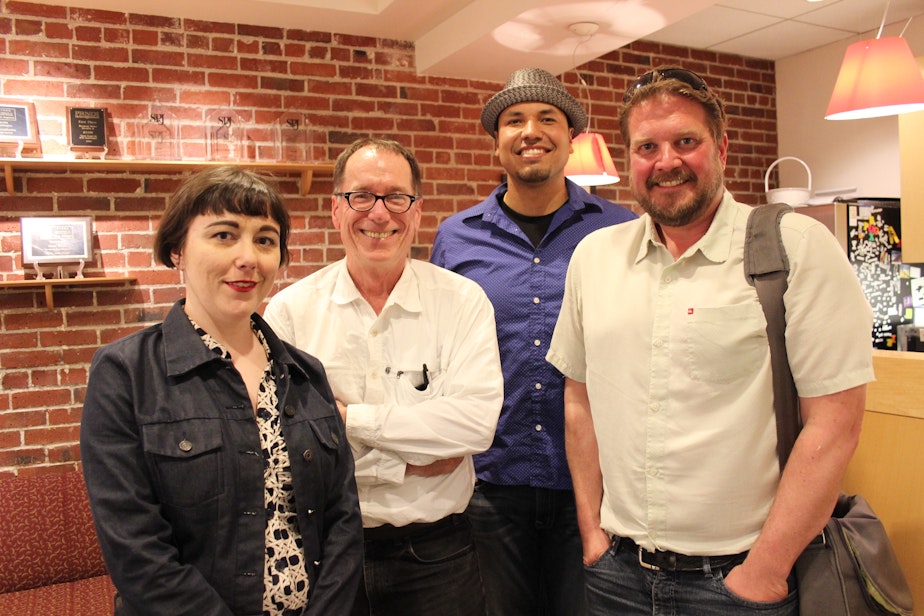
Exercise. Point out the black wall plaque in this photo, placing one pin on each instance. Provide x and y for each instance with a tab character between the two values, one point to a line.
87	129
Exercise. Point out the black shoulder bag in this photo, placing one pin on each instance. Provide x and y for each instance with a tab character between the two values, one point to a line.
851	568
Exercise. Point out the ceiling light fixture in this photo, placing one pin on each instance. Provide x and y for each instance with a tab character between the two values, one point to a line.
590	163
878	77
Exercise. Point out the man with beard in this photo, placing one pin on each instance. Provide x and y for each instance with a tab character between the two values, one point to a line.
670	428
516	244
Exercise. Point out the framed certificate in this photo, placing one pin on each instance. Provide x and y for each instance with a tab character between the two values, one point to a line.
48	239
19	134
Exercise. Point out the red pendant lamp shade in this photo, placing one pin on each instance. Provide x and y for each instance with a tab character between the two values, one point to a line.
590	163
878	77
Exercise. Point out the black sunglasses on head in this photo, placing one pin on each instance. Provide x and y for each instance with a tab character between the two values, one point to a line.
680	74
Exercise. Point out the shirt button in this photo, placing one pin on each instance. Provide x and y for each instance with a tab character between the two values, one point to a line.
307	455
535	300
655	407
538	427
289	410
537	342
538	385
185	445
658	342
535	259
667	278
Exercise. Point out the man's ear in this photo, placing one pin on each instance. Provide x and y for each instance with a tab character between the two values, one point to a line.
335	211
723	150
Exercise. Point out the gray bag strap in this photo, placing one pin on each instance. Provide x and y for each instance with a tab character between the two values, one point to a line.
766	268
854	566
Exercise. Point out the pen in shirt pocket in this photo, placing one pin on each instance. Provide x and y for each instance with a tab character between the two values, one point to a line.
424	381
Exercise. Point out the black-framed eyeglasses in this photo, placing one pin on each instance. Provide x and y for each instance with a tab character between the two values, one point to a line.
363	201
681	74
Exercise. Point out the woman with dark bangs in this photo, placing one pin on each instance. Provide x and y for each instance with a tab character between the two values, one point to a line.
218	471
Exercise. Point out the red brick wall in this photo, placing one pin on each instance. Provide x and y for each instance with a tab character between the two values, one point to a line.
347	86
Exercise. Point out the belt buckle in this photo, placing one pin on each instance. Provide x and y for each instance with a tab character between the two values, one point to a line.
643	564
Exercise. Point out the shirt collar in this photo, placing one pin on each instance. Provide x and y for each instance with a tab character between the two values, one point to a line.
184	350
715	245
579	201
406	293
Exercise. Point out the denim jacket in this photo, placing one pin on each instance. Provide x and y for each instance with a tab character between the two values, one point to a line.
174	471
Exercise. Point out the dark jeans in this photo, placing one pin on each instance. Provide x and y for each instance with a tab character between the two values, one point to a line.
433	572
529	550
617	584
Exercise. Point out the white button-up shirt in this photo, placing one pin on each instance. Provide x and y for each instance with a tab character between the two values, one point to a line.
434	321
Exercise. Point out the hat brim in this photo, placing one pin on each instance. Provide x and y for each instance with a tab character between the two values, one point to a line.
533	93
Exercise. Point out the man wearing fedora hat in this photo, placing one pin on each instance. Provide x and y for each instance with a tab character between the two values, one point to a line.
516	244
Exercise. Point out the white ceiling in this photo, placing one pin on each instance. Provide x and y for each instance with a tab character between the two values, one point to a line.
488	39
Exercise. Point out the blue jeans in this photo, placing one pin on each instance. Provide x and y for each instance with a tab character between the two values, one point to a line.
529	550
432	573
617	584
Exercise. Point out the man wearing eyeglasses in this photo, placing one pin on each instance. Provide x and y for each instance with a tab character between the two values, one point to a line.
411	354
516	245
671	431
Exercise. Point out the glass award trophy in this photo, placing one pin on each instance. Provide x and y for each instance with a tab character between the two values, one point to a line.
224	135
291	138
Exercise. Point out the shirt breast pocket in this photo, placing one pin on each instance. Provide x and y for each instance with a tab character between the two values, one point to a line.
726	343
420	385
186	456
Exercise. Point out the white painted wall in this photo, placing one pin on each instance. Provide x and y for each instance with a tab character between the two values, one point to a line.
843	153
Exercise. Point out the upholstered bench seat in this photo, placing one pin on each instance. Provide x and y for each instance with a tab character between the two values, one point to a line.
88	597
50	561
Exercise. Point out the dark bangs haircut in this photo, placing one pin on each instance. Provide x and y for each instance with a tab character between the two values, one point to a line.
225	189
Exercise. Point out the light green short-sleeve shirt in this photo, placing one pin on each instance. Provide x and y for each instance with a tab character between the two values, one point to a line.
677	367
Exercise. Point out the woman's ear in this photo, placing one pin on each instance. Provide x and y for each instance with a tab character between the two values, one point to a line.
177	259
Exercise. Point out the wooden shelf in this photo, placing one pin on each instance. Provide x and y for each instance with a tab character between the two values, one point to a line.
51	283
307	170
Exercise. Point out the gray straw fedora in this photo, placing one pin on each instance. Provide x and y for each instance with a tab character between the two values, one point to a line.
533	85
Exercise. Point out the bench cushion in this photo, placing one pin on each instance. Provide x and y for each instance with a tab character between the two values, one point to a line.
46	532
89	597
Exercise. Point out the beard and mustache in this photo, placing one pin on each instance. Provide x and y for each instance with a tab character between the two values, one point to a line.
678	210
